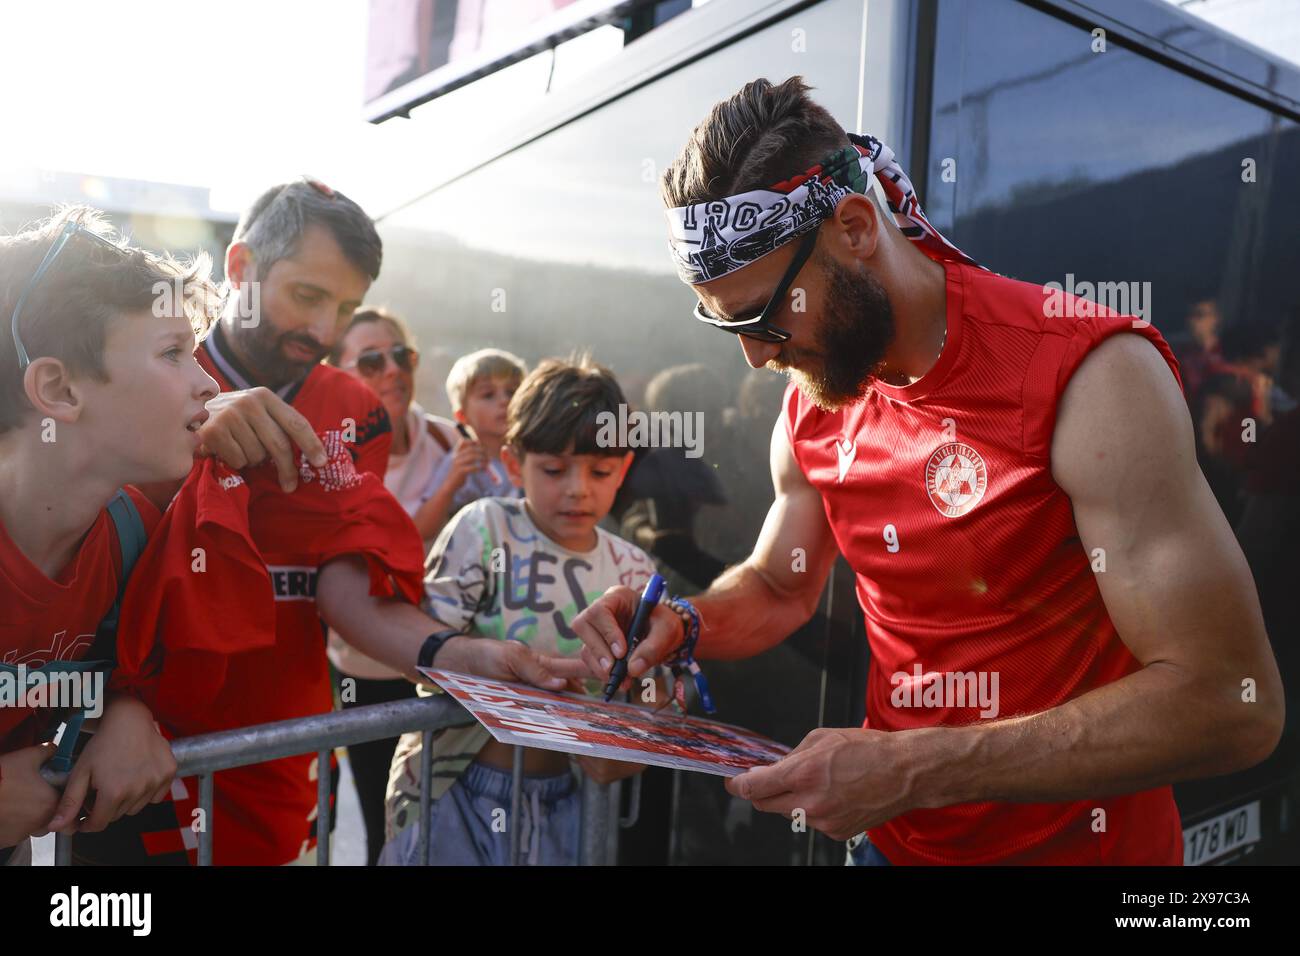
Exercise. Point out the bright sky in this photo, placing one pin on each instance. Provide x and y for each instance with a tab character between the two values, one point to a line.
239	94
232	96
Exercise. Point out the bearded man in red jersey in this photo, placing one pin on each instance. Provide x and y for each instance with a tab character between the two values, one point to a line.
979	455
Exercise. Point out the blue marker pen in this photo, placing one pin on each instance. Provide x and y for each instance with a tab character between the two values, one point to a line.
654	589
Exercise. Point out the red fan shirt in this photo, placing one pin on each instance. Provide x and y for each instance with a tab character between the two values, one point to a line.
969	565
47	620
239	642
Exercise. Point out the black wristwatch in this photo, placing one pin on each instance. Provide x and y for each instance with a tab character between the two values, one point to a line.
432	644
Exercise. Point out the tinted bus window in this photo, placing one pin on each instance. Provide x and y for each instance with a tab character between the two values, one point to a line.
1055	162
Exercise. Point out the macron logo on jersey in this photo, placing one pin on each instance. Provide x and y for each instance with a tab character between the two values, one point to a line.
847	451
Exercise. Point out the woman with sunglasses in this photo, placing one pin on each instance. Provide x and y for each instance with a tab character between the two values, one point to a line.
377	348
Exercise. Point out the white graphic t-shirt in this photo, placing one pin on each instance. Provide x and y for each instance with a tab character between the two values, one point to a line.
494	574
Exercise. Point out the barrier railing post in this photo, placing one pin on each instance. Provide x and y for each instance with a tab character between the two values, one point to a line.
633	805
426	784
205	806
672	816
593	836
517	805
323	779
611	827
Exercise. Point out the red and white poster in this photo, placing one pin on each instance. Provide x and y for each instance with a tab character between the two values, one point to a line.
530	717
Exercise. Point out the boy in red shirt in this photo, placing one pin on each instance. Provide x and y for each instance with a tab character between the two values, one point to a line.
99	391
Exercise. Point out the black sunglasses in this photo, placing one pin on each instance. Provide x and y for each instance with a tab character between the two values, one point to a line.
759	327
372	361
69	230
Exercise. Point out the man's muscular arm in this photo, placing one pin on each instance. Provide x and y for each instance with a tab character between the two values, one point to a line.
750	607
1178	590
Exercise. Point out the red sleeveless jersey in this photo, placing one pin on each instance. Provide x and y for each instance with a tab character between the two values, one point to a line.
978	595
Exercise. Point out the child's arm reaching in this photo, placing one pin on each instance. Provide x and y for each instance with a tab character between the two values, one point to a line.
467	458
26	801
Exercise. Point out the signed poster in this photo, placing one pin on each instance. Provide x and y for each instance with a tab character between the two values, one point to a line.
531	717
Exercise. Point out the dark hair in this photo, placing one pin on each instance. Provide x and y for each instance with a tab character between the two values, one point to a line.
368	314
557	409
762	135
274	225
1247	340
67	314
694	385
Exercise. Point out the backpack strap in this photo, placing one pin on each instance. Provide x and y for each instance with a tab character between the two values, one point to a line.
436	434
131	540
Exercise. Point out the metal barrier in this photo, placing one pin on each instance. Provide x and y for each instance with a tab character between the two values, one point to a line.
204	755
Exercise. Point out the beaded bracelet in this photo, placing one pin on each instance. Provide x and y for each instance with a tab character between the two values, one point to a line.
682	661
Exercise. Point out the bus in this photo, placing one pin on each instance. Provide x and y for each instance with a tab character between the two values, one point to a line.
1054	141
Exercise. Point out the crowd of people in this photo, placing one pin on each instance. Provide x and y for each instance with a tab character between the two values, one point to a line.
222	499
282	481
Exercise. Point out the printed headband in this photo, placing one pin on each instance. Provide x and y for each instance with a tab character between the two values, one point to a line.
711	239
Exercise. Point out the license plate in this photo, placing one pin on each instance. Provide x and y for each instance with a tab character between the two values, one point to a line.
1221	835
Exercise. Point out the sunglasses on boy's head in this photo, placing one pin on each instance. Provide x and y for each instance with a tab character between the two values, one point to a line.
69	230
758	327
373	361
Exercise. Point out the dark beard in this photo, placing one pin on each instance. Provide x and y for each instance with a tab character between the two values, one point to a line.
259	347
857	325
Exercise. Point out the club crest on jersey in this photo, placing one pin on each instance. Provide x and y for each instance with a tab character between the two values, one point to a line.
955	478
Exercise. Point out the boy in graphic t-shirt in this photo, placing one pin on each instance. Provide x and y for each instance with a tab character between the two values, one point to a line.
99	391
510	569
